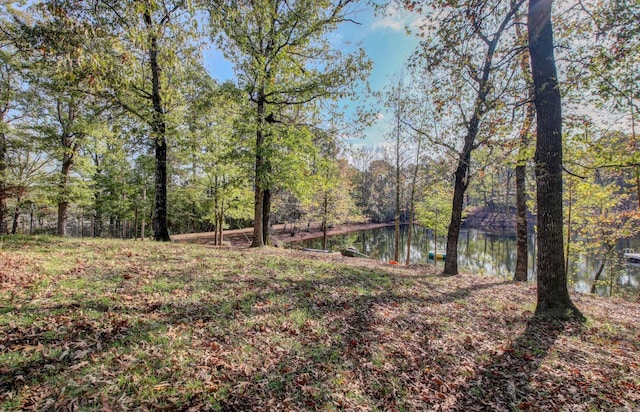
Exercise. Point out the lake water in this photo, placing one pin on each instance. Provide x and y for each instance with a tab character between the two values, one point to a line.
488	253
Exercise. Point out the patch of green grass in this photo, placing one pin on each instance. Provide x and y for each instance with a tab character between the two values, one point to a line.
7	309
299	317
161	285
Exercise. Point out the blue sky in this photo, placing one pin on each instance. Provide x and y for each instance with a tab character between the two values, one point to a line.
385	41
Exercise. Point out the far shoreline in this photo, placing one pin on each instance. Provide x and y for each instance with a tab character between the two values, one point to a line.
281	233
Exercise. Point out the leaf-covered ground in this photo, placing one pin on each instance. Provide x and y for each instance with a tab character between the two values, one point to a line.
122	325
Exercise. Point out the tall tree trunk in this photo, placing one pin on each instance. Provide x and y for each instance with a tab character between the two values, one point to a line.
522	255
4	189
553	296
144	216
258	216
325	211
522	240
3	181
31	210
63	193
16	216
396	252
160	226
412	204
221	224
461	184
435	247
96	219
216	209
266	217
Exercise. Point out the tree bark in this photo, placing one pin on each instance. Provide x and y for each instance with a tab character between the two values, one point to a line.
522	246
412	204
325	211
4	193
522	255
461	184
258	216
266	217
520	274
221	224
63	193
16	216
553	295
144	217
160	226
396	252
3	183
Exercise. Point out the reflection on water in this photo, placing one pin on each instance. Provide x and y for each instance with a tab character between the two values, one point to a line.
483	252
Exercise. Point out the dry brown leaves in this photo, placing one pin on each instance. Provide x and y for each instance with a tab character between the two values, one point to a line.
191	328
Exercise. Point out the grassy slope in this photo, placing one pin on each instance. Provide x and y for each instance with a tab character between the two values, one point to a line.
114	325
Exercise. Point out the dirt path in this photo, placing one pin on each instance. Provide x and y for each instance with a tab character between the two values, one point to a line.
281	233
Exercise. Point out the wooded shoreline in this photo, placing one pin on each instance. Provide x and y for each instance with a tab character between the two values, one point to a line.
482	218
283	233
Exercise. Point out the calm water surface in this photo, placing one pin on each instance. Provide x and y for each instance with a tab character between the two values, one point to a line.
484	252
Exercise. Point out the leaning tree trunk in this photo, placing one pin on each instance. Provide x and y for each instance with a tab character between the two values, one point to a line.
603	263
462	171
160	226
461	184
553	296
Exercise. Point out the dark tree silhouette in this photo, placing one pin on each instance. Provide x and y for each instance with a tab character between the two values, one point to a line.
553	296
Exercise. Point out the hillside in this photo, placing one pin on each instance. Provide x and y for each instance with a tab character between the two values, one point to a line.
119	325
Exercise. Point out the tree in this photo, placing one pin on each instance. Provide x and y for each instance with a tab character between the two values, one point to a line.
213	182
140	50
56	45
412	195
398	102
15	101
27	165
283	59
433	209
522	255
553	296
612	65
7	100
452	46
602	209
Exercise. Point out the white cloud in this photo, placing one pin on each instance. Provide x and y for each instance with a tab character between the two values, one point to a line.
398	20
